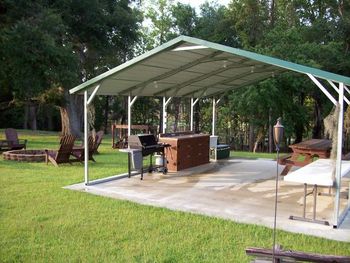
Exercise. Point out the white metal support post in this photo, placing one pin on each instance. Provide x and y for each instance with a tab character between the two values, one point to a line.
215	102
86	132
213	119
213	146
339	155
93	94
165	104
193	103
130	103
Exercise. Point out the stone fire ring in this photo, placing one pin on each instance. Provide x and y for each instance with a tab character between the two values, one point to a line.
25	155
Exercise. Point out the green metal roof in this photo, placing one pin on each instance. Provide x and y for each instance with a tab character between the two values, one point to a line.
191	67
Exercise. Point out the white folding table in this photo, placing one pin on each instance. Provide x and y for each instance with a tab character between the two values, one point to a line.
317	173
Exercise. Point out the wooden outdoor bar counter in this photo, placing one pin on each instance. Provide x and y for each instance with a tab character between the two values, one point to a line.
186	150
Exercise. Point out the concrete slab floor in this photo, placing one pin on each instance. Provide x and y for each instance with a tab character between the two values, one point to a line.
236	189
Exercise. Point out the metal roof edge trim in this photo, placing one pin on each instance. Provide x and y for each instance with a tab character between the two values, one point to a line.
271	60
85	85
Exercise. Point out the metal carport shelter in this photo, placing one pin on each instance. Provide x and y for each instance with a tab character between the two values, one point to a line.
194	68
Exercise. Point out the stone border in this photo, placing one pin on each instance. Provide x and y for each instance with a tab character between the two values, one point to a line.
25	155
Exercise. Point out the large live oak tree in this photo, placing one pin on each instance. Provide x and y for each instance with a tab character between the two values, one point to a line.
49	44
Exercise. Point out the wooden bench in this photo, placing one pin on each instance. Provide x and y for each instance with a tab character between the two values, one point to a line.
292	256
293	160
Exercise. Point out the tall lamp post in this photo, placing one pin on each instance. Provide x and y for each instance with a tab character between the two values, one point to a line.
278	131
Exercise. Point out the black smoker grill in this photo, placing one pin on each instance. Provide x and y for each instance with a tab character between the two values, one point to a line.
148	145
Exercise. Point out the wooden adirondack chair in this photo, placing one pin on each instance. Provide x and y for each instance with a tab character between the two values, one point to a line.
62	155
98	140
12	141
78	151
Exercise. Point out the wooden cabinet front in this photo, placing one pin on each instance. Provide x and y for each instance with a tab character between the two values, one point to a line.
186	151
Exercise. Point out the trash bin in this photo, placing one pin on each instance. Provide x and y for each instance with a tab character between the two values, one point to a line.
136	159
223	151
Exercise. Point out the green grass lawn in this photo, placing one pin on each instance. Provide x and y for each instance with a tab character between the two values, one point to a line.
42	222
251	155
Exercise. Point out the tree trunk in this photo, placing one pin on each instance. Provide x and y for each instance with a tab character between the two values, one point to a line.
299	127
317	128
32	117
91	118
176	113
49	118
272	13
299	130
124	115
75	110
65	127
106	111
251	137
259	138
196	117
256	144
26	114
270	132
341	9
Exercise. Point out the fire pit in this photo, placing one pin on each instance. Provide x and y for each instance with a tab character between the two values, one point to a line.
25	155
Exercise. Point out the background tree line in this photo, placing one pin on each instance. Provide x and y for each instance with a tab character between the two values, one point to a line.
48	47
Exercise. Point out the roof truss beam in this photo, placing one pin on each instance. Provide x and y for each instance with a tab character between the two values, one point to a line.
172	72
245	84
178	87
93	94
225	81
337	90
323	89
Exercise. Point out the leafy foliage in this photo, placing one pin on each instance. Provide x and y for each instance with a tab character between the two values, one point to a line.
49	44
39	61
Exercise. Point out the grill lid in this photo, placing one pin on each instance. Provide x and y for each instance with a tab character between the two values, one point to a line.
142	140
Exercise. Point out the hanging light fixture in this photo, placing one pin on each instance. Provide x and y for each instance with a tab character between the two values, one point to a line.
155	84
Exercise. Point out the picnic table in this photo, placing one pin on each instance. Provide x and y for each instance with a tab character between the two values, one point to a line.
304	152
317	174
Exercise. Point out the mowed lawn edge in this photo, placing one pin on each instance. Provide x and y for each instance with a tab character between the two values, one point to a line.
42	222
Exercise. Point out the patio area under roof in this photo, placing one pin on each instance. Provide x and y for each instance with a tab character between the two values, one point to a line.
235	189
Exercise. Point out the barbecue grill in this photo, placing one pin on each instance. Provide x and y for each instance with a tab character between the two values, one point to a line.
148	145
